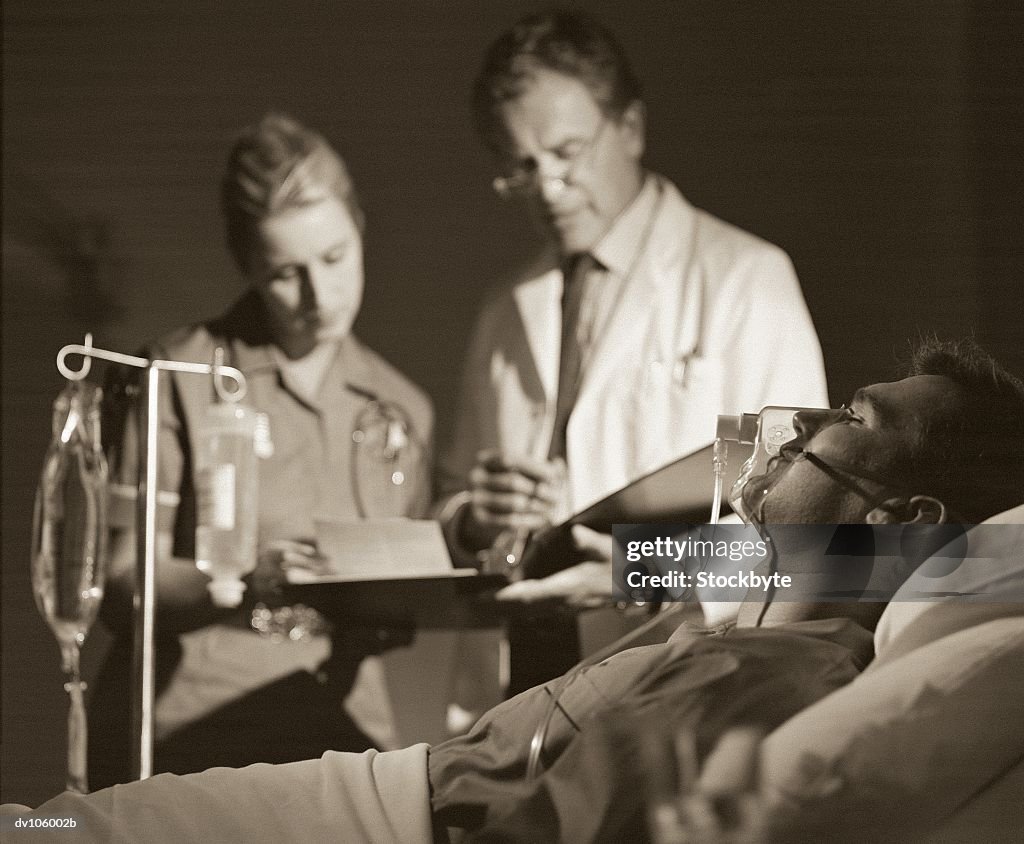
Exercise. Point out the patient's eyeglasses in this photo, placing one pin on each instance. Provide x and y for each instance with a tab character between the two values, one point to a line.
526	178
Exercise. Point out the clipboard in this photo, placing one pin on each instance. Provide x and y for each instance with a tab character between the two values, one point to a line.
681	491
393	573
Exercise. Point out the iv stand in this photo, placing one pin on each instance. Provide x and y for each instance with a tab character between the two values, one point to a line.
145	583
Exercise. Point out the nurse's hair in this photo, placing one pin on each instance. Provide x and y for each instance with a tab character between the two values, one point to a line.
571	43
276	166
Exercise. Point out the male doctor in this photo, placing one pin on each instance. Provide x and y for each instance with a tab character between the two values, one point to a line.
642	320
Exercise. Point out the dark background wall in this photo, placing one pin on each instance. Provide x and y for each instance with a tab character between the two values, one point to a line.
878	142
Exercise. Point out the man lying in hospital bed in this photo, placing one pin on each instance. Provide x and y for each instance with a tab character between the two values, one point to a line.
932	726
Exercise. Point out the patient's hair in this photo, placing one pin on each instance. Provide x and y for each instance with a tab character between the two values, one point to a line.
569	42
275	166
974	460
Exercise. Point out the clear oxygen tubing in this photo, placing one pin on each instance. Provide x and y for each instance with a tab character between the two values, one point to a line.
730	428
719	462
742	429
533	761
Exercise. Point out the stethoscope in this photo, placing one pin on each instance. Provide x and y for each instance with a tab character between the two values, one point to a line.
384	434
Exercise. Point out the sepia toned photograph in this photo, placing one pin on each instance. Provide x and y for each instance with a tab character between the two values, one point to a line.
380	378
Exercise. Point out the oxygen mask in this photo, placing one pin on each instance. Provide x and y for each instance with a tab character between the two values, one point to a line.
771	433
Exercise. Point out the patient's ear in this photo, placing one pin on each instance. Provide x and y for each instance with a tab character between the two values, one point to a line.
918	509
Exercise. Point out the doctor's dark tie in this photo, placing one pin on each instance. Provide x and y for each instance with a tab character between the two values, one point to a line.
542	648
578	272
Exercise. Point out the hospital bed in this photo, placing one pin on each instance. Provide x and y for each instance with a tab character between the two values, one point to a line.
926	745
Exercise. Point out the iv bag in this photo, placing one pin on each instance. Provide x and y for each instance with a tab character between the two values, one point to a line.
226	491
70	526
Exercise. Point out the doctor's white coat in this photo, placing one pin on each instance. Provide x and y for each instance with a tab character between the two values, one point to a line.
711	321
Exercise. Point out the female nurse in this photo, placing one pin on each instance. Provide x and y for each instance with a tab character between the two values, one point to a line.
345	436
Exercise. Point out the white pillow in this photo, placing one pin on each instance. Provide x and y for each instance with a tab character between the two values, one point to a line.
901	748
991	578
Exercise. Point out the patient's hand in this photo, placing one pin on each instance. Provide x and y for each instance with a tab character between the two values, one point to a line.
588	584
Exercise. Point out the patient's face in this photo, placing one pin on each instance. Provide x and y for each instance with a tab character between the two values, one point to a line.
882	426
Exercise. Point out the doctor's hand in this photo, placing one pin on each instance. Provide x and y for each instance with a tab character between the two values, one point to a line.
511	492
587	584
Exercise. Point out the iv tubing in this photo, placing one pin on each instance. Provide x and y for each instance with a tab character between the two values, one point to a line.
719	460
533	762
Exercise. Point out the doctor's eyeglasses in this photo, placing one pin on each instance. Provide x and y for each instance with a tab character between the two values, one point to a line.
526	179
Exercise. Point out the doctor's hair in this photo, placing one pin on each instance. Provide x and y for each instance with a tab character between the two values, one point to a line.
571	43
275	166
973	460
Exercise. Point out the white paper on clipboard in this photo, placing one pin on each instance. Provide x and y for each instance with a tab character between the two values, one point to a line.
380	549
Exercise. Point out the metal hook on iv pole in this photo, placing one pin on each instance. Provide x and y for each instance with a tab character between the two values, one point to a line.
88	352
143	668
218	370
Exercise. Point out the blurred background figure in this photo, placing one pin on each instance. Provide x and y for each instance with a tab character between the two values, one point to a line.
268	682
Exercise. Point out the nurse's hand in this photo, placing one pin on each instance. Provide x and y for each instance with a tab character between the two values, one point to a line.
511	492
277	557
587	584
